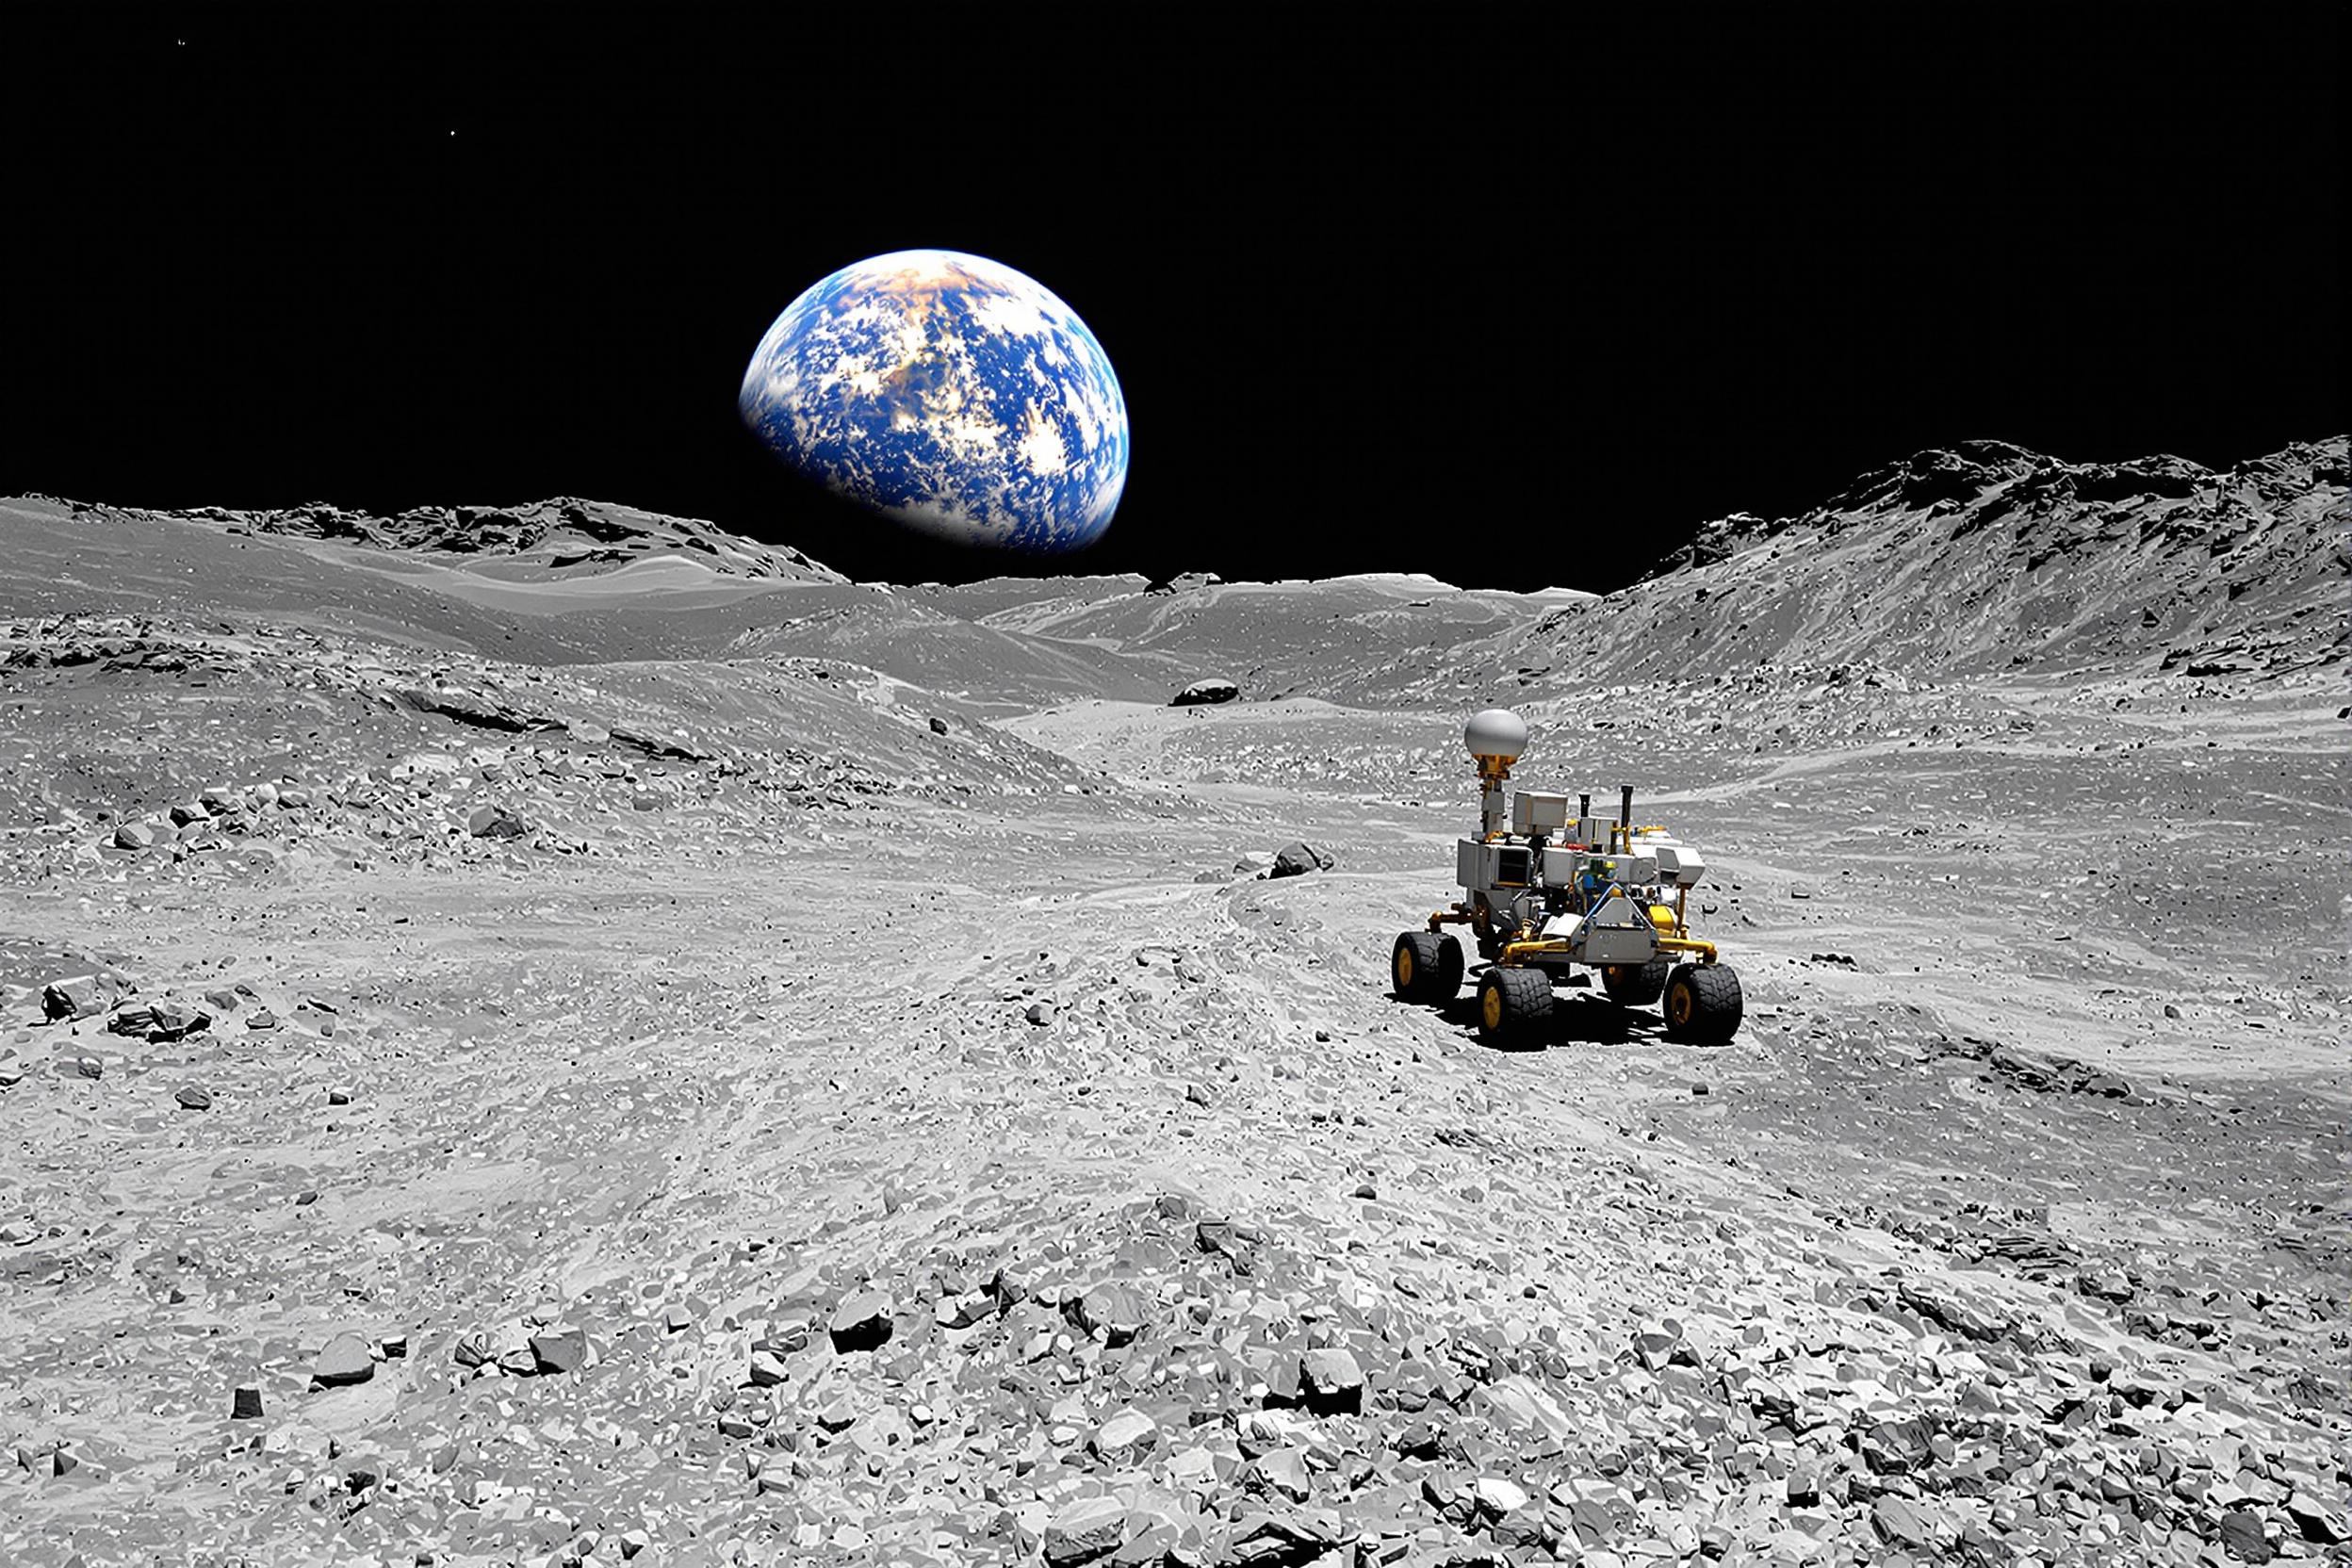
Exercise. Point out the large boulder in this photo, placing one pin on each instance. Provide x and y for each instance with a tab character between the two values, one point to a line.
1296	859
1199	692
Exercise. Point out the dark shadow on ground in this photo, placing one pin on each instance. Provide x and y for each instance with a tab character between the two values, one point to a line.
1579	1017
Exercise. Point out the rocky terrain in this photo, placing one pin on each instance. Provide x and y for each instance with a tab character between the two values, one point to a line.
550	1033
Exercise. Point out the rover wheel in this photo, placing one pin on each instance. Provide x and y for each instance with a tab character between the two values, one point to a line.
1703	1003
1416	965
1635	985
1513	1005
1449	967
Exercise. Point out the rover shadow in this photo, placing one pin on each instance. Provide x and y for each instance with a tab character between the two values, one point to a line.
1578	1017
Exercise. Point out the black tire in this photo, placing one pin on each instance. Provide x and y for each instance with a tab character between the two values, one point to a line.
1414	966
1450	969
1632	986
1514	1005
1703	1003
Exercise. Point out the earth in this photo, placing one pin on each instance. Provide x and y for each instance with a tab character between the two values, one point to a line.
949	393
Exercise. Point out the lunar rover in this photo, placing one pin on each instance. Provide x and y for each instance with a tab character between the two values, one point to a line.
1558	890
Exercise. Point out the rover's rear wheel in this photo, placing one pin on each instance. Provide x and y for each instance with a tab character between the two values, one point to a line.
1513	1005
1449	967
1703	1003
1416	965
1635	985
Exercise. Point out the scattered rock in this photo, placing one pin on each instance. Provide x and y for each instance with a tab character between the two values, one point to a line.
1331	1380
494	822
84	996
1126	1435
561	1347
193	1096
245	1403
1210	691
2243	1536
1901	1522
1084	1530
1112	1310
1279	1540
345	1360
862	1322
2317	1521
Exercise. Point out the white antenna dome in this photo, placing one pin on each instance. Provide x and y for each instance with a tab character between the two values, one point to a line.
1498	732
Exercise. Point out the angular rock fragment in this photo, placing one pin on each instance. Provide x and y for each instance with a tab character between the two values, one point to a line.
1085	1530
1497	1498
1297	859
193	1096
1279	1540
1126	1435
494	822
962	1312
344	1360
2243	1536
862	1322
1516	1404
1212	690
1902	1522
2316	1520
561	1347
83	996
1113	1311
1330	1380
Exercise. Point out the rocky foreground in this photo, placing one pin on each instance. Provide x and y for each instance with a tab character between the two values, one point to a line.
757	1109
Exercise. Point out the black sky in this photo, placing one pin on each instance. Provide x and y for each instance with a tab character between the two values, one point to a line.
1516	295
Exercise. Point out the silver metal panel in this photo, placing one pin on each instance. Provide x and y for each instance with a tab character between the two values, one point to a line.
1534	812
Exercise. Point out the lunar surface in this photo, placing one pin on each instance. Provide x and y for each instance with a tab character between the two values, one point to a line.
554	1034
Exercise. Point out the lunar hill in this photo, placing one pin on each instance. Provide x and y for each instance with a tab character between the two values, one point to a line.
555	1033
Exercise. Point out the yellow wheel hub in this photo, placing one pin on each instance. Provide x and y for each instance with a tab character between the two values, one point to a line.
1490	1007
1678	1005
1404	967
